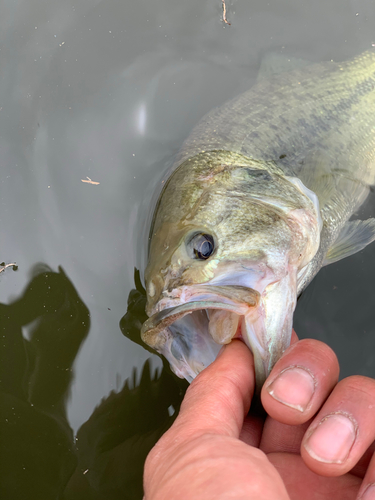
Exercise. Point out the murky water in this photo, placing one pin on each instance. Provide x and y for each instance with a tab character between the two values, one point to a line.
106	92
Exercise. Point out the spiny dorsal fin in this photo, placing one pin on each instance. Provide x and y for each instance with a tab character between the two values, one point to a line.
354	236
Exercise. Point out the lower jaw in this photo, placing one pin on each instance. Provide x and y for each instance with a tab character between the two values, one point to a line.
190	346
190	328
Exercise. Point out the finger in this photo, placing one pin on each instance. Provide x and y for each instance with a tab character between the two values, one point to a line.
362	465
343	429
252	428
200	456
278	437
219	397
303	484
367	489
300	382
294	338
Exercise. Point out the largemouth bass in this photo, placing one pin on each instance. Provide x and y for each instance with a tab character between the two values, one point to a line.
259	199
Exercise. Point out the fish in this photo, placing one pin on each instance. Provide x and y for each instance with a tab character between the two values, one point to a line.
260	197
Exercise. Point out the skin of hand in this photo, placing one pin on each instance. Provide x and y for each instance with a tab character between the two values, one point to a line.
316	442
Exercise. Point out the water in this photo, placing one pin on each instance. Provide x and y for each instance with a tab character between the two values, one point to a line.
108	91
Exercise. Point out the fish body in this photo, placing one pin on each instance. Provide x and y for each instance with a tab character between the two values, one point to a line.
259	199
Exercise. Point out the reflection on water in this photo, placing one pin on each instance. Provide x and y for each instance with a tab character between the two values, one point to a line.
36	373
105	459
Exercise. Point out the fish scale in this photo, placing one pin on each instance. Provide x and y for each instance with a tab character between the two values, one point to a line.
321	94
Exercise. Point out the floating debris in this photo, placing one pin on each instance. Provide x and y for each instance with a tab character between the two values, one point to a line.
89	181
225	13
3	266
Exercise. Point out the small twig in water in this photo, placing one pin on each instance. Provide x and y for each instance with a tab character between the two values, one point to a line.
225	13
3	266
89	181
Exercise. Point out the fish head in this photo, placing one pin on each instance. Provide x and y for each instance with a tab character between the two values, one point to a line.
227	244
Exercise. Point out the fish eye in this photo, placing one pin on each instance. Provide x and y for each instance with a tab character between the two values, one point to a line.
201	246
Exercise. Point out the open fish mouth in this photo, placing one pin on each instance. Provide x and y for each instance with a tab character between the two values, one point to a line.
190	334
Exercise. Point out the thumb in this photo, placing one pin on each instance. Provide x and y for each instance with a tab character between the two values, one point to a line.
219	397
201	457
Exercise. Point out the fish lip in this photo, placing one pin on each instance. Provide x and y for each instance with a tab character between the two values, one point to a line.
234	298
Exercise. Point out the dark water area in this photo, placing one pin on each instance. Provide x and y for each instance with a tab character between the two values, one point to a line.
106	92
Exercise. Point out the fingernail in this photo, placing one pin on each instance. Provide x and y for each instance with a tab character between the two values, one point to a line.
369	493
293	387
331	441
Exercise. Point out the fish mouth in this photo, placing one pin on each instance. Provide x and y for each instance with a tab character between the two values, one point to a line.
191	334
189	325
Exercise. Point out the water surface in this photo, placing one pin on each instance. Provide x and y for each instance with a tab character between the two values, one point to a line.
108	91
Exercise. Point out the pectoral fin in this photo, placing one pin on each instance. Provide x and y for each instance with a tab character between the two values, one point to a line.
354	236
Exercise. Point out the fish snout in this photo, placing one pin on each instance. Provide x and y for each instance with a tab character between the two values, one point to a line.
154	290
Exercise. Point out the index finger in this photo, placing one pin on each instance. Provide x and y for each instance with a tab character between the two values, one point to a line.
219	397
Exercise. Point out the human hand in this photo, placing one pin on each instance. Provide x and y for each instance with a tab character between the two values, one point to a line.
309	447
